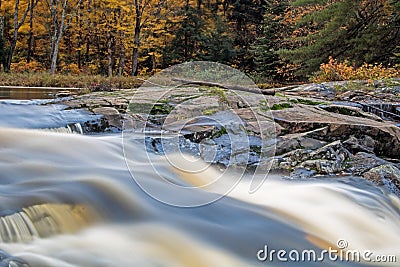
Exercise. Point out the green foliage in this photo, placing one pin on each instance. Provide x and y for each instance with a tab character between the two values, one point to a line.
361	31
219	133
279	106
306	102
264	49
195	40
217	44
245	16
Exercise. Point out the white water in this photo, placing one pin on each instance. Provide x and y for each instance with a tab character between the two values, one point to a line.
117	224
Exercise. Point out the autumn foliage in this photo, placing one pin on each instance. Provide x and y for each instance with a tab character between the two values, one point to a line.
340	71
274	40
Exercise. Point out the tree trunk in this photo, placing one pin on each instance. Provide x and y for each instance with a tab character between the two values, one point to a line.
109	55
53	63
121	61
30	38
58	33
136	37
154	63
2	45
226	86
17	25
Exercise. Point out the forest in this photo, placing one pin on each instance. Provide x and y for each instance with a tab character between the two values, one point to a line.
287	40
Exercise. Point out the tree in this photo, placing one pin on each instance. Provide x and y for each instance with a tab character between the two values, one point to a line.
189	36
218	46
246	17
33	3
17	25
145	12
357	30
61	12
264	49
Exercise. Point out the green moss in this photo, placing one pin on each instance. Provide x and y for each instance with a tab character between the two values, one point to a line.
306	102
208	112
220	132
216	91
162	107
344	111
281	106
265	107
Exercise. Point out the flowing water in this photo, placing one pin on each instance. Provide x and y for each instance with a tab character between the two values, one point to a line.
71	200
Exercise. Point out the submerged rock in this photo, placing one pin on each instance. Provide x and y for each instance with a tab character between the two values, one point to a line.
6	260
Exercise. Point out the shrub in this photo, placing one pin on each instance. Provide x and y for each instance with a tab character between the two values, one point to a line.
23	66
70	69
341	71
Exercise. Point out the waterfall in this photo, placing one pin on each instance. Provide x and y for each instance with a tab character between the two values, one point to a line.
72	128
43	220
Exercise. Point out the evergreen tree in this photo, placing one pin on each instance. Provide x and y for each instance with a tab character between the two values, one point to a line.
218	46
189	38
357	30
264	50
246	17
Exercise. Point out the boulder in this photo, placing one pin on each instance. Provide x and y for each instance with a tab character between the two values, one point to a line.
112	116
302	118
387	175
361	162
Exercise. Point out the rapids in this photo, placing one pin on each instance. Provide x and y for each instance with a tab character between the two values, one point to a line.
71	200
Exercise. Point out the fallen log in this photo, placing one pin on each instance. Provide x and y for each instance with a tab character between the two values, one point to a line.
226	86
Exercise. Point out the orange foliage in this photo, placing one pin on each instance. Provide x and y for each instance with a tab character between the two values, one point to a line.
23	66
338	71
71	69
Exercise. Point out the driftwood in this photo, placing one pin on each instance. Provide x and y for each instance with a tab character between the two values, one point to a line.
227	86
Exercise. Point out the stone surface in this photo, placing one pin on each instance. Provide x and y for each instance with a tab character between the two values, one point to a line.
112	116
383	174
362	162
309	135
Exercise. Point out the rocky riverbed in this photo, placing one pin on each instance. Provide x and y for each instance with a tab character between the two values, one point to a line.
308	131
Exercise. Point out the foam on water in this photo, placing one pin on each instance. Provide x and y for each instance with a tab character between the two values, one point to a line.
123	226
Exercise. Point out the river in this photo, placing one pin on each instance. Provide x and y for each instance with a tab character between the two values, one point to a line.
78	200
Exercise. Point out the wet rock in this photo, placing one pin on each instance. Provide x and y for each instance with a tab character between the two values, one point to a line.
363	144
310	143
321	91
292	142
328	159
112	115
322	166
6	260
387	175
362	162
302	173
340	127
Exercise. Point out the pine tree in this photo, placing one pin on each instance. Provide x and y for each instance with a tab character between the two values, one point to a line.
357	30
264	49
218	46
188	43
245	17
